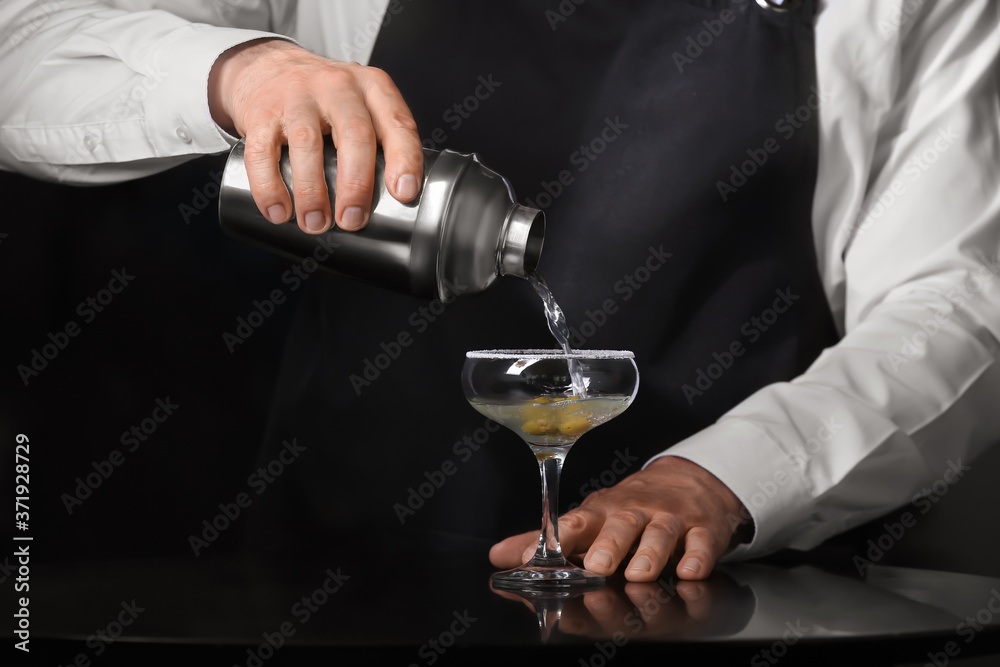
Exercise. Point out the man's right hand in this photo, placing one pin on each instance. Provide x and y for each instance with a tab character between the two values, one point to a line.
274	93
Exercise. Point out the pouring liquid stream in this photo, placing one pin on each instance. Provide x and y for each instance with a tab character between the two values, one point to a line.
560	330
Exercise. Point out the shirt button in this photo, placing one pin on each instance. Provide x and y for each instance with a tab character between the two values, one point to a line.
183	135
89	142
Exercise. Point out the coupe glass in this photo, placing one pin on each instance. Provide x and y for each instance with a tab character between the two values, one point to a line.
549	398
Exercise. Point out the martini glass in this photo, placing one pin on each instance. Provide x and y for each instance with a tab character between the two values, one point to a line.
550	398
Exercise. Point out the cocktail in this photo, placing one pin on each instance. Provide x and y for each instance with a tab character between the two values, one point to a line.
550	398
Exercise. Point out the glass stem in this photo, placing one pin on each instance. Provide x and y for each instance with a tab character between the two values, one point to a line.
550	462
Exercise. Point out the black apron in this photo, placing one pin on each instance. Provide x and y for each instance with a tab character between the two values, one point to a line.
673	146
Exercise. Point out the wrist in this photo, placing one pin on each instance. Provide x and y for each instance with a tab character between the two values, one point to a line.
229	73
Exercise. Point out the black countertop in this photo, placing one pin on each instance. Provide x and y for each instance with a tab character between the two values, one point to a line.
441	609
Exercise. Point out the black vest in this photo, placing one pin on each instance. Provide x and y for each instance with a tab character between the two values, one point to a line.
673	146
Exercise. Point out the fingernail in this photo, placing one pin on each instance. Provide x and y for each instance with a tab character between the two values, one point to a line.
528	554
406	186
692	565
277	213
314	221
691	592
601	558
641	564
353	218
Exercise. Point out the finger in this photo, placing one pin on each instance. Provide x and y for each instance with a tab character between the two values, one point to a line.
261	152
578	529
305	156
397	132
354	137
655	606
700	554
659	539
509	552
609	609
697	598
620	532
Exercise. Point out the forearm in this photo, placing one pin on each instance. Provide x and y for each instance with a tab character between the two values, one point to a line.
94	94
904	400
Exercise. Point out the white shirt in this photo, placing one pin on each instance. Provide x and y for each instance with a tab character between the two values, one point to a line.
906	220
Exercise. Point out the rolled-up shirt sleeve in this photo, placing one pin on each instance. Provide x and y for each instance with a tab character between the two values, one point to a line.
93	94
909	396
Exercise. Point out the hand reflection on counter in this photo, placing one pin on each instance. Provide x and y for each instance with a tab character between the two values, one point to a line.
667	608
752	601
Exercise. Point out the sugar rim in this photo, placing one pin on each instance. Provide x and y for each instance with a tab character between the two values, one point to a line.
549	354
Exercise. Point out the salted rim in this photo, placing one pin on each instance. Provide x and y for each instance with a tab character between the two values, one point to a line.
549	354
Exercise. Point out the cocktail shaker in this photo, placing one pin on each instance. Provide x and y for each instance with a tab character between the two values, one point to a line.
461	233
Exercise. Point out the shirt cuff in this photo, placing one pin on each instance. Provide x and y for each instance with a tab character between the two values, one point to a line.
761	474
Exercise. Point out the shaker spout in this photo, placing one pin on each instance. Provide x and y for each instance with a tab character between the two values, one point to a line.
524	232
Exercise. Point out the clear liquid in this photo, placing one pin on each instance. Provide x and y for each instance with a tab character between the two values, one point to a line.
560	330
554	422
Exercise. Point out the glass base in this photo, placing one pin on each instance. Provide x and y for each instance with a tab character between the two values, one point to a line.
557	576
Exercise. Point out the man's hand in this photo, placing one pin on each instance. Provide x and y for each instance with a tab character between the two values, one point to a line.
274	93
673	505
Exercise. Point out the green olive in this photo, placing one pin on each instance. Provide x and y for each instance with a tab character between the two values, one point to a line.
574	425
540	427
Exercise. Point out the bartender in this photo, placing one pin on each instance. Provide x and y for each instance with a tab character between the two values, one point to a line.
813	181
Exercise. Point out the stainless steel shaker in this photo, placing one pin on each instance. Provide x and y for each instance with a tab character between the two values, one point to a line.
461	233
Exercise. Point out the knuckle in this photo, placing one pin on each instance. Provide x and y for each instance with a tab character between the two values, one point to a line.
669	525
354	183
379	77
632	518
573	521
339	76
402	122
356	131
308	191
304	136
258	149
